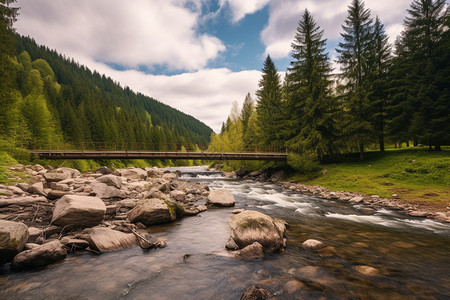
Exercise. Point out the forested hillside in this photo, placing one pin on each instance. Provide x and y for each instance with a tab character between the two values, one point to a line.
52	100
379	94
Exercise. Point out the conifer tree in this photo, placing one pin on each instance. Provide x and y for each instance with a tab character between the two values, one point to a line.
309	102
380	62
247	109
268	105
421	55
354	54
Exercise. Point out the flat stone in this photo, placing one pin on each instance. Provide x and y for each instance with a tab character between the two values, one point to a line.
56	177
79	211
111	180
366	270
104	239
221	197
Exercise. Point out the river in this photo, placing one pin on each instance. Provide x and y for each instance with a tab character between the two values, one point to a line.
411	256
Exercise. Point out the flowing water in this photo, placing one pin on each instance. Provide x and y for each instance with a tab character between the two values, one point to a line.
411	256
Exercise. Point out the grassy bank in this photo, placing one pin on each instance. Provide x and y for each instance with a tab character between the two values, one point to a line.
413	174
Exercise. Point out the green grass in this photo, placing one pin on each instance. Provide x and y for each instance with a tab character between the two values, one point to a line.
413	174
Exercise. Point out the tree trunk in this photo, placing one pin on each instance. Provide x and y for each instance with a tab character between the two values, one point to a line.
437	147
381	140
416	143
407	143
361	151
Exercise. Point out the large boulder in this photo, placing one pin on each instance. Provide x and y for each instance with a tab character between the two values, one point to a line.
111	180
13	237
251	226
221	197
242	172
132	173
104	239
39	256
152	211
78	211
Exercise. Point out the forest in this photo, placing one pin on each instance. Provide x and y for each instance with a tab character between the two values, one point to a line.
379	94
49	100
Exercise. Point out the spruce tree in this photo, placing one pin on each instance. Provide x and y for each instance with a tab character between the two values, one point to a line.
425	87
380	61
268	105
309	103
354	55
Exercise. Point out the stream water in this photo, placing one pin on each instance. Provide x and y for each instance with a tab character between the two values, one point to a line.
411	256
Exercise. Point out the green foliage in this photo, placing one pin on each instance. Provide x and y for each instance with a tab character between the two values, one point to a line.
303	163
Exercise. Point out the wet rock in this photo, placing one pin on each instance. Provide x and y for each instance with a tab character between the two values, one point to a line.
256	293
79	211
277	176
254	250
40	256
152	211
111	180
29	246
13	237
366	270
56	177
237	211
221	197
104	239
202	208
231	244
293	286
252	226
242	172
312	244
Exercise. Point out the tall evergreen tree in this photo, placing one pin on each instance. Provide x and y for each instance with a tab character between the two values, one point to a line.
268	105
309	103
247	109
421	54
380	61
354	55
8	16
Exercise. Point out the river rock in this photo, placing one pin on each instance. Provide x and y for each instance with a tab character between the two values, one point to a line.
132	173
242	172
74	244
248	227
37	188
56	177
256	293
55	194
178	195
152	211
104	239
312	244
104	170
170	176
22	201
104	191
221	197
111	180
79	211
254	250
43	255
366	270
33	234
13	237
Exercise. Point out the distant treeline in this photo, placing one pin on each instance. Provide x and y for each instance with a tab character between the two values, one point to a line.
379	94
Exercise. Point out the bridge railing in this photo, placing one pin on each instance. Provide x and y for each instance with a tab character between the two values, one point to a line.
153	147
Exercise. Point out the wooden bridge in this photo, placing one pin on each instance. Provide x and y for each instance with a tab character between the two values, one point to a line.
81	154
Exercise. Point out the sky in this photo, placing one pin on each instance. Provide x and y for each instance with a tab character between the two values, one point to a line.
197	56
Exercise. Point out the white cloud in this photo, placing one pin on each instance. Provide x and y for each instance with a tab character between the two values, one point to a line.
278	35
241	8
130	34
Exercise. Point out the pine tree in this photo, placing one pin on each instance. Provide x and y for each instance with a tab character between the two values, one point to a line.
8	16
421	54
309	102
247	109
354	54
268	105
380	62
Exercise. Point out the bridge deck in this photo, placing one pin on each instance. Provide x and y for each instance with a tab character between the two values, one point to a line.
74	154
